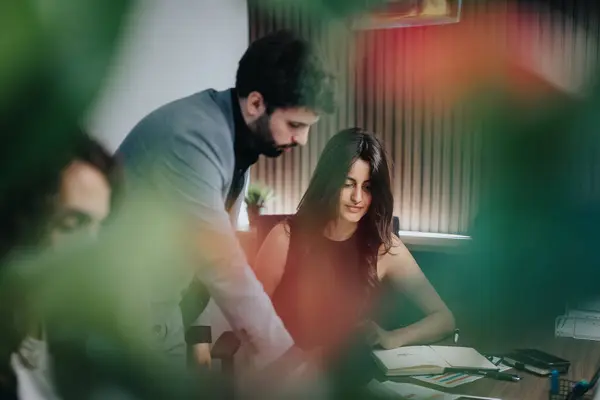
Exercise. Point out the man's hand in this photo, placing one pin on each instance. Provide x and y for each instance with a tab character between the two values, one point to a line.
202	354
293	375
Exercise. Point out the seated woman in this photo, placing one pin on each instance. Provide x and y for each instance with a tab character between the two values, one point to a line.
323	267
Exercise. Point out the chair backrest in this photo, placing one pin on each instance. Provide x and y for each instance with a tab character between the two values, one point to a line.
266	222
396	225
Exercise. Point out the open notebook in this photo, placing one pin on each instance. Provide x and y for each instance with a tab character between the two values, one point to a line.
431	360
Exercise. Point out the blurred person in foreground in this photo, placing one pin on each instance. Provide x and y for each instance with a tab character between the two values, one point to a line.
78	206
47	82
196	152
74	319
66	203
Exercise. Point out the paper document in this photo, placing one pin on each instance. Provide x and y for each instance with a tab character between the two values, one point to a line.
454	379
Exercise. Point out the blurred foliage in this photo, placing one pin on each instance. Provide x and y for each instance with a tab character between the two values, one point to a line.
532	238
533	235
94	297
53	57
66	45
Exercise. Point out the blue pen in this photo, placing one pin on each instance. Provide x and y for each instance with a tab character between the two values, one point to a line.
554	382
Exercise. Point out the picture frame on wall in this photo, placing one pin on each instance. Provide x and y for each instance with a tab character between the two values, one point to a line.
409	13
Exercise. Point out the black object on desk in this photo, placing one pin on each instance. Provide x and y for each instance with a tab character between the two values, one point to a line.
537	362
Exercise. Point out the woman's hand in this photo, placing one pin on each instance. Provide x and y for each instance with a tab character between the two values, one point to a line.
384	338
376	335
294	373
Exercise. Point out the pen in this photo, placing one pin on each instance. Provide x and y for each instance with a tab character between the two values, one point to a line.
554	384
501	376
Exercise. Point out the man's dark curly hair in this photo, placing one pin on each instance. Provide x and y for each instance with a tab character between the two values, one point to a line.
286	70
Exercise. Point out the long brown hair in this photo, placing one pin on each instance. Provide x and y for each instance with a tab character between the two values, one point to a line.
320	203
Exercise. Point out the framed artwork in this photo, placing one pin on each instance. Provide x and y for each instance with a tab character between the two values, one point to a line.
407	13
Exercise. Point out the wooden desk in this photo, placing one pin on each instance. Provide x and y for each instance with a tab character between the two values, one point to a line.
584	356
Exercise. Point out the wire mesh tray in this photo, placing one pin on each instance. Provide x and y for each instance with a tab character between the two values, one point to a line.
564	388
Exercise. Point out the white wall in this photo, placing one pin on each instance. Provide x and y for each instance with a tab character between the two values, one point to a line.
169	49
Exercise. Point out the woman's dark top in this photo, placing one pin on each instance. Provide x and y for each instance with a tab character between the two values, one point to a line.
324	293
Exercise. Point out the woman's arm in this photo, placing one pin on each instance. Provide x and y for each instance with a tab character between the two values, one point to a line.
269	264
401	268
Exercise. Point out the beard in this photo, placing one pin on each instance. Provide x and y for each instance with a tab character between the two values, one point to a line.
265	142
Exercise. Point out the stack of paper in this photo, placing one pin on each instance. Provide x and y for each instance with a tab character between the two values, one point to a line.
581	321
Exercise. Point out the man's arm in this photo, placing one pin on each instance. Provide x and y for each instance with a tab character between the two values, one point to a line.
190	172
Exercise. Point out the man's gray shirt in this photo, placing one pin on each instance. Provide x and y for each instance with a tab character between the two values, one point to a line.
185	150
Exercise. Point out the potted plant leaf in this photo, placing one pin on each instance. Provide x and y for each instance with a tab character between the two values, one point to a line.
256	198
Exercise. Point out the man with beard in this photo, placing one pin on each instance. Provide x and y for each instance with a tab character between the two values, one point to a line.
197	151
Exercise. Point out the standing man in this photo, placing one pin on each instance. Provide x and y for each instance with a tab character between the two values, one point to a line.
198	150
